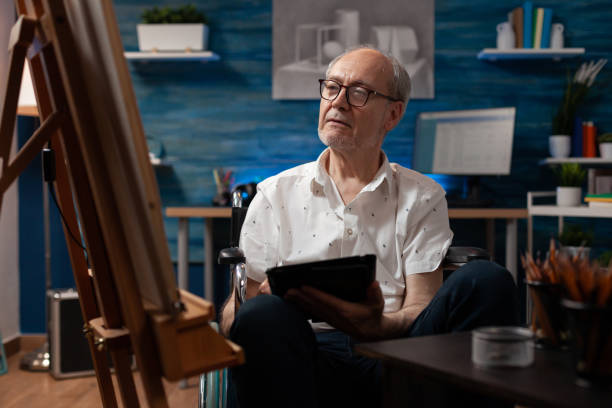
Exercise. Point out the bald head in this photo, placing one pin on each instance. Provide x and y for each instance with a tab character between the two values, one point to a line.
397	77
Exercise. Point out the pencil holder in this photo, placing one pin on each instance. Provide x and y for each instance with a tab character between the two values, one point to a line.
549	321
591	334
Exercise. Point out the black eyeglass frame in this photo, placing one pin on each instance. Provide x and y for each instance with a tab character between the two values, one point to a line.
346	94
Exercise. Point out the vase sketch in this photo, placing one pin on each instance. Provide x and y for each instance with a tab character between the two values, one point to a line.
317	43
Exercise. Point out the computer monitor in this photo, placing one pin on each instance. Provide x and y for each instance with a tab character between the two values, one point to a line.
471	143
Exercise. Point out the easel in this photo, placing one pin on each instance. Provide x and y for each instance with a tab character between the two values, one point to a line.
106	190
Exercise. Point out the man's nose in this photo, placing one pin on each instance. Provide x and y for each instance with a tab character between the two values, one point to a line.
341	101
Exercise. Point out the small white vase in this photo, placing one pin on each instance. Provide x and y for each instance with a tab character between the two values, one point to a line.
571	251
605	150
569	196
559	145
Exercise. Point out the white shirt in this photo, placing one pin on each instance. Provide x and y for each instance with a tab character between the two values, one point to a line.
401	216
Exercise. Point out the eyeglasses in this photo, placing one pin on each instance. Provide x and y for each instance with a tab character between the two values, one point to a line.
356	95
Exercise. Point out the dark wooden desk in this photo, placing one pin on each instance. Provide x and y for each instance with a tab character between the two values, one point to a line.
447	359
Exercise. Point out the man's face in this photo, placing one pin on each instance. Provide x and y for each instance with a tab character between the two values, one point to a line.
348	128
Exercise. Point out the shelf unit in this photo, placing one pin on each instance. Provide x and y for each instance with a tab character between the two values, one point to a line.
494	54
556	211
203	56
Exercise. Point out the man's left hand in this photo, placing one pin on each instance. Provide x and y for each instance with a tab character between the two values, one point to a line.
361	320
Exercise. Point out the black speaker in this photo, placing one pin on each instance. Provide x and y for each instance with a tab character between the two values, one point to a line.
68	346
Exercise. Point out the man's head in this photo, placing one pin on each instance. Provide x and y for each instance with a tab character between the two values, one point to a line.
347	127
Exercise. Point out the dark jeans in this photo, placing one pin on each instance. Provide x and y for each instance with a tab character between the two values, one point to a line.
288	365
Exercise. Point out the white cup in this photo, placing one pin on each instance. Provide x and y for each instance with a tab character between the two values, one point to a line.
559	145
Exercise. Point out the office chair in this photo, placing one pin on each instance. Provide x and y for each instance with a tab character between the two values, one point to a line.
213	385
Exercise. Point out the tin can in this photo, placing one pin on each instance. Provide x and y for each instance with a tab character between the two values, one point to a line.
503	346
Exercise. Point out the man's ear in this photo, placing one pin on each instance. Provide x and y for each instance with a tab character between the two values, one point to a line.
394	115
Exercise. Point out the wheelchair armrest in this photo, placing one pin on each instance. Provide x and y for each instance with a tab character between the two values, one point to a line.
461	255
230	256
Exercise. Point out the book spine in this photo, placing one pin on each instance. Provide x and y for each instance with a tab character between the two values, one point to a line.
527	24
588	139
546	26
517	25
537	32
577	138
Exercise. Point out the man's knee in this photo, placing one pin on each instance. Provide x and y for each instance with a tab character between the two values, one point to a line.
493	286
486	275
264	316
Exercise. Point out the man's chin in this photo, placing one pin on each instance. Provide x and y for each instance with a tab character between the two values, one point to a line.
338	142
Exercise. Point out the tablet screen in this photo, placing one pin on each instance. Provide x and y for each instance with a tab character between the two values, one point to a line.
346	278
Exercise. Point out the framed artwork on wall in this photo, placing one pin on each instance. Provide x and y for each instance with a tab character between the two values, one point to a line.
307	35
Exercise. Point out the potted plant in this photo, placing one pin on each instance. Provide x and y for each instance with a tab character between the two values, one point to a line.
574	96
570	178
173	29
575	241
605	145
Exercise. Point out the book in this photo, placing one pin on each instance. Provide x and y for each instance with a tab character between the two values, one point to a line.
517	25
600	204
598	198
528	24
537	30
546	26
577	138
588	139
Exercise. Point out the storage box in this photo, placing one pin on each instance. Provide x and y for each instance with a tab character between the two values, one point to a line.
68	346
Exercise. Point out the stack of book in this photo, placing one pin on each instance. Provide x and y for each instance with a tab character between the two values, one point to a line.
531	26
599	200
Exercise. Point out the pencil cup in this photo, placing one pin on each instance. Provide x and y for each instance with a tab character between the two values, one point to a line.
591	333
549	317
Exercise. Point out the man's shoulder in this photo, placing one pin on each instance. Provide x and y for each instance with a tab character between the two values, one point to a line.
407	178
289	178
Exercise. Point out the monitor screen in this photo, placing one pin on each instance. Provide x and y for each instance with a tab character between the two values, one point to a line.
464	142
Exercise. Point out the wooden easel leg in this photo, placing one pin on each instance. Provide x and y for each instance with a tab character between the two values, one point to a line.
22	35
30	150
89	309
123	371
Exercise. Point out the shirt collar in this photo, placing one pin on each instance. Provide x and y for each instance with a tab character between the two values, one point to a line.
385	172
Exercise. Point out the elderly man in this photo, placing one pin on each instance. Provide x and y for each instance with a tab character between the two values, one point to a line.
352	201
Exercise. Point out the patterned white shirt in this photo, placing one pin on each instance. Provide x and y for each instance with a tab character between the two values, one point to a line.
401	216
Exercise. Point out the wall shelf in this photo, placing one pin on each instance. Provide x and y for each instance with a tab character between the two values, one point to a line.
591	161
551	210
494	54
203	56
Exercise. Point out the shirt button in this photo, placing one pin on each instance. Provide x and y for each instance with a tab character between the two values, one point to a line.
349	231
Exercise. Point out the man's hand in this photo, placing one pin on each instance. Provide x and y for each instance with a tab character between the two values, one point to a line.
361	320
264	288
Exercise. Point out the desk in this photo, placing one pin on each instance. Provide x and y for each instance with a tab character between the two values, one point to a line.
447	359
208	213
511	215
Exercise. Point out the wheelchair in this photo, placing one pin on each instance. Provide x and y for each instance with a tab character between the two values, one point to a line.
213	386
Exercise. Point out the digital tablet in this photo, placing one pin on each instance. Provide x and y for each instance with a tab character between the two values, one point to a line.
346	278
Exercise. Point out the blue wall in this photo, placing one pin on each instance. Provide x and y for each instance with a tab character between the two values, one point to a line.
221	114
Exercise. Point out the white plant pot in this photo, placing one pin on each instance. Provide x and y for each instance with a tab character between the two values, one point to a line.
172	37
571	251
605	150
569	196
559	145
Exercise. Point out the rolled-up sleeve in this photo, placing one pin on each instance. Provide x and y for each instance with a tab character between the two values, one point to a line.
428	235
